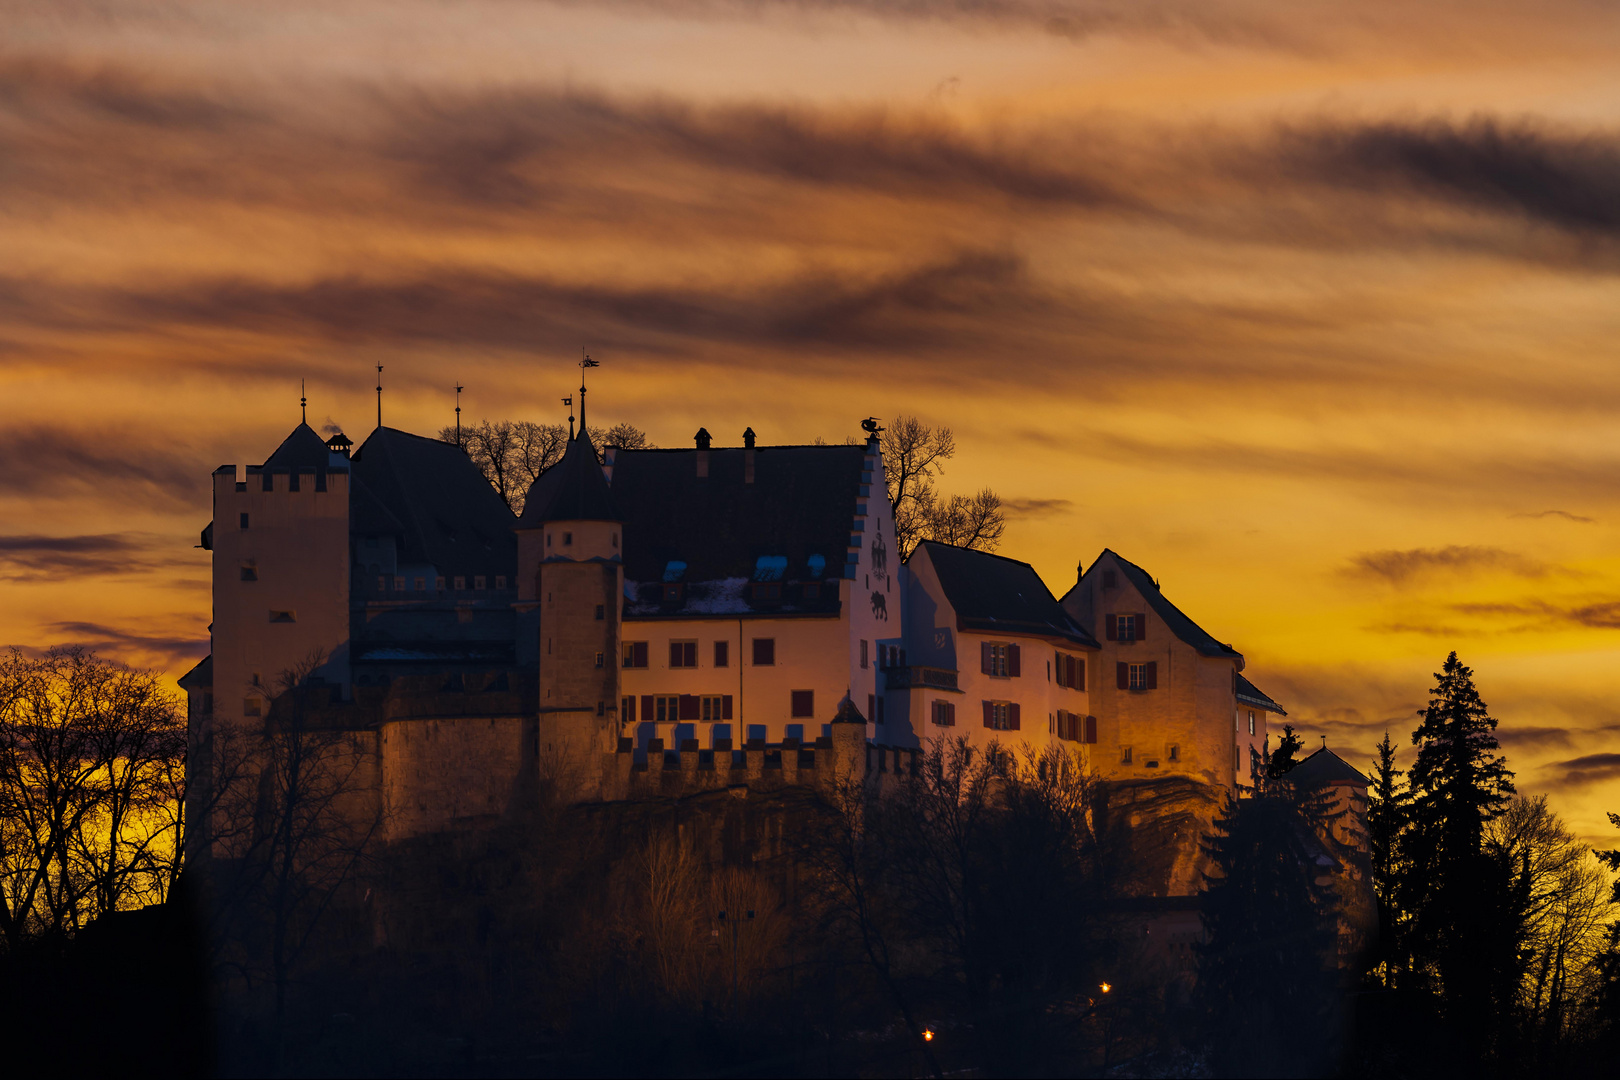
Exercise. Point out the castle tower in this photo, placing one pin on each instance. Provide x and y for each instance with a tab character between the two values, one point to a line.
571	570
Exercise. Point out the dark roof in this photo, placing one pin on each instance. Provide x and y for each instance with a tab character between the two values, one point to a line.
302	449
574	489
1182	626
432	497
1247	691
801	503
201	676
992	593
1325	767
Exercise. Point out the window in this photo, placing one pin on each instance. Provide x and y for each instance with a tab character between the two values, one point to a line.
461	582
250	572
812	590
1138	676
500	581
722	654
283	616
615	539
1251	721
421	584
601	706
438	583
1000	661
601	661
666	709
767	590
672	593
683	654
1071	671
627	710
244	524
1001	715
804	703
478	581
568	539
871	707
944	714
764	652
863	653
548	539
1126	627
382	583
1173	752
399	584
1124	755
713	707
250	706
635	654
601	611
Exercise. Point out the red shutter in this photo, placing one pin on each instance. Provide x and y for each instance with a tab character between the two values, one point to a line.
1080	673
1012	717
871	707
641	654
1153	675
1113	628
1057	662
647	714
1124	671
1141	627
1091	729
725	707
1014	663
984	657
689	707
989	720
629	716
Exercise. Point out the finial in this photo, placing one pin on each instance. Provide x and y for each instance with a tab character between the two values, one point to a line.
568	401
303	404
871	427
748	438
585	362
459	389
379	395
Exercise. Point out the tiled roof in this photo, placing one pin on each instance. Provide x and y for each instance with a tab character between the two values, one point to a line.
1182	626
992	593
800	507
1325	767
201	676
430	495
1250	693
302	449
574	489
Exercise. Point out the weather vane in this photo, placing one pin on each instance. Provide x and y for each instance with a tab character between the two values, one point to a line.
379	395
459	389
568	401
303	404
585	362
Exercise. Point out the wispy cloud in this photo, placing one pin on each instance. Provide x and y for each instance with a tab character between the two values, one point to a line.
1401	566
1036	508
1584	771
36	558
1565	514
132	646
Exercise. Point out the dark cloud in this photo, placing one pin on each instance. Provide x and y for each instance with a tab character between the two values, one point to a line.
33	557
1401	566
1439	630
1565	514
1584	771
128	643
1599	615
43	462
1532	737
1036	508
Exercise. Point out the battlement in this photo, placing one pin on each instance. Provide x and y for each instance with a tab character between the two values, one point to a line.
281	479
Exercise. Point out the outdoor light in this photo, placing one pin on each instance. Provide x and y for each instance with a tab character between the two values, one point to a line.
928	1034
1107	987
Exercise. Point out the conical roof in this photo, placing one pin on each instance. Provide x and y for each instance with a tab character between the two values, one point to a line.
574	489
303	449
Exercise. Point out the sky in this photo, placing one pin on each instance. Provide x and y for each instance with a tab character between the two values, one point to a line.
1311	309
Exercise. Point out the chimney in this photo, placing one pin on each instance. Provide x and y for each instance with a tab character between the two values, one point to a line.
703	438
339	444
748	456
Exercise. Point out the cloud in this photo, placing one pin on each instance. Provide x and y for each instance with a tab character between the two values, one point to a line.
48	462
1585	771
1565	514
1598	615
37	558
1036	508
1401	566
1439	630
127	644
1532	737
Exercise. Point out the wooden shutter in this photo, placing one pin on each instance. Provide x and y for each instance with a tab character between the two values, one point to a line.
1079	682
1057	662
1113	628
871	707
725	707
1141	626
1012	717
950	714
1124	671
1153	675
1014	661
647	713
689	707
989	717
629	716
1091	729
984	657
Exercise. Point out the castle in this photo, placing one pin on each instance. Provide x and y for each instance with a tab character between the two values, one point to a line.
660	621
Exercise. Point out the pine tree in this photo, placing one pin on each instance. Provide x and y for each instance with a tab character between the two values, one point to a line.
1388	815
1462	900
1283	760
1267	969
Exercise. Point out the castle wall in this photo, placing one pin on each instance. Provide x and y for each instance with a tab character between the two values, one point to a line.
451	772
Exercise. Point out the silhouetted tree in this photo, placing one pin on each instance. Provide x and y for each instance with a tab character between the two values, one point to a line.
913	454
1467	903
1388	816
1267	969
512	453
1281	760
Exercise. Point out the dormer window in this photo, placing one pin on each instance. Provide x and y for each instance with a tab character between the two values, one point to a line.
812	590
500	581
672	592
768	590
548	539
478	581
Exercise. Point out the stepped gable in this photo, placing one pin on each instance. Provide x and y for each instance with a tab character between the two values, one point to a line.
1251	694
574	489
303	449
1325	767
1178	621
801	503
431	495
993	593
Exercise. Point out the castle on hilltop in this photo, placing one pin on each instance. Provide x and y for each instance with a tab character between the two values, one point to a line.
660	621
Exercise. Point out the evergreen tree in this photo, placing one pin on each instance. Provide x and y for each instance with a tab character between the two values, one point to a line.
1466	907
1267	970
1388	814
1283	760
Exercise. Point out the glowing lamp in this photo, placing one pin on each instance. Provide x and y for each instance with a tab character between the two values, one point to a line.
928	1034
1107	987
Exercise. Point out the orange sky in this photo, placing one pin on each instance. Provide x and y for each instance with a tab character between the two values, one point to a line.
1311	310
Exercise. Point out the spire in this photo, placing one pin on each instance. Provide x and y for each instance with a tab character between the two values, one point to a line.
459	389
568	401
574	489
303	404
584	363
379	395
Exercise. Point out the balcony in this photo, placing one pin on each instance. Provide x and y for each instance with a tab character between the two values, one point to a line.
902	678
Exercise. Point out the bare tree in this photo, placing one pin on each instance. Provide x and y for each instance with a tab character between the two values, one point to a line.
513	453
914	454
88	752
